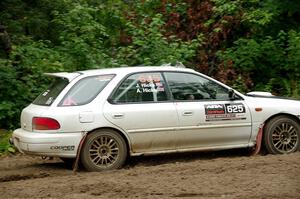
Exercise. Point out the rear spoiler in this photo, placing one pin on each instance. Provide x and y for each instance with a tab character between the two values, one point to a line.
69	76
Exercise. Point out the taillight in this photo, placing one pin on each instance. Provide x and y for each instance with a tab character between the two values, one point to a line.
44	123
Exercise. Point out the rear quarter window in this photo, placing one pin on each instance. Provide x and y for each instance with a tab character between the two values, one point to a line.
85	90
50	94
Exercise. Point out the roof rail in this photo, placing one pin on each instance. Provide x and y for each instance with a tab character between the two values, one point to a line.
177	64
168	64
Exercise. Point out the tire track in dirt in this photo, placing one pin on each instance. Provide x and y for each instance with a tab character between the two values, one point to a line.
23	177
227	174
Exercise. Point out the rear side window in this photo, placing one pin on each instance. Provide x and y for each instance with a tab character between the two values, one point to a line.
85	90
141	87
50	94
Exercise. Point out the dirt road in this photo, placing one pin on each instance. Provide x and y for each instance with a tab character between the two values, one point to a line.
227	174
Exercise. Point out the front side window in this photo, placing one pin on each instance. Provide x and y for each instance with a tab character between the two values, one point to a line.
141	87
85	90
186	86
50	94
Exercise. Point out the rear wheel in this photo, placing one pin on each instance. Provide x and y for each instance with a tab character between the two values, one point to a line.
103	150
282	135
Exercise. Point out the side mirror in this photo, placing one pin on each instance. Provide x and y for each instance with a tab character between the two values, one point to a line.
231	94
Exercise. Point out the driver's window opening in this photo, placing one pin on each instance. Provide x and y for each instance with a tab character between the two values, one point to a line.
190	87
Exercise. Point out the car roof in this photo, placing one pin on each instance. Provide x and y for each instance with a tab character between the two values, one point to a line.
127	70
120	71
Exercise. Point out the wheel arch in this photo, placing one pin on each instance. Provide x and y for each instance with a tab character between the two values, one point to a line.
124	136
282	114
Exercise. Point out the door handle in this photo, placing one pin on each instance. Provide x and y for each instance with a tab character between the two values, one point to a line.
187	113
118	115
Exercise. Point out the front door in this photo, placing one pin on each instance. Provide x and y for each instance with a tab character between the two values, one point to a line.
207	117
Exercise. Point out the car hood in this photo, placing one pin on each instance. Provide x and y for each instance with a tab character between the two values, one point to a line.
270	106
275	104
272	97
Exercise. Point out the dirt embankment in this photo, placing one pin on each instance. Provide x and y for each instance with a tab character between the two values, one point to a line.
227	174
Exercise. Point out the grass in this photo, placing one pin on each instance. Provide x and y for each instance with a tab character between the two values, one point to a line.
5	146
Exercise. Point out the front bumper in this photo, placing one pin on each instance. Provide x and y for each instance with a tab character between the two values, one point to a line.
47	144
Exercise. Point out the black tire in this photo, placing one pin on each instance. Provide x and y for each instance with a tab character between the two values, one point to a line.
103	150
282	135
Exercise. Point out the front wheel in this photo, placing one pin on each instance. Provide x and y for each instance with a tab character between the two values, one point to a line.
282	135
103	150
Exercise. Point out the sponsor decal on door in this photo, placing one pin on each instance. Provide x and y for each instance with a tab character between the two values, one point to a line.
220	112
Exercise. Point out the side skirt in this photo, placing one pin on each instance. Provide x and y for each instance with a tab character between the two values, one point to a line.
210	148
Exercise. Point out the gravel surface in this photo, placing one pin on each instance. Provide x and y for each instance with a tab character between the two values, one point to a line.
225	174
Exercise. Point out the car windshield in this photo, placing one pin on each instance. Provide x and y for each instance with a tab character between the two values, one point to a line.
49	95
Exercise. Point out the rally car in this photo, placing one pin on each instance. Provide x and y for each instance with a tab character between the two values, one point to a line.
103	116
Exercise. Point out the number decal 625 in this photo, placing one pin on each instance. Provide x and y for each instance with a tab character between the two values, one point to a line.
235	108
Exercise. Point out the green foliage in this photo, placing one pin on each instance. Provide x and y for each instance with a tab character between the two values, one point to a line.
19	77
80	37
268	48
254	13
239	84
5	146
228	7
150	47
273	62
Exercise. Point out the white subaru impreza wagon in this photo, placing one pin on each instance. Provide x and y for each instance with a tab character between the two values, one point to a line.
105	115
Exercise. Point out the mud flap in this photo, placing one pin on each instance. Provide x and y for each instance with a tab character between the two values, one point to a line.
258	140
75	165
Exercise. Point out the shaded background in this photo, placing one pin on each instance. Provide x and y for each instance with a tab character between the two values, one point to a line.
247	44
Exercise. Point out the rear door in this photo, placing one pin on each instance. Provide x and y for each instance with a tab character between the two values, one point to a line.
140	106
207	118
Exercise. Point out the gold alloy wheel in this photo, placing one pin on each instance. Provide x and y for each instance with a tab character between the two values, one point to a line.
104	151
